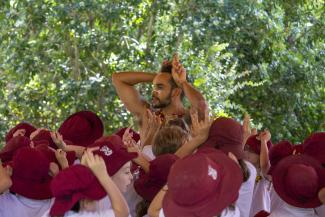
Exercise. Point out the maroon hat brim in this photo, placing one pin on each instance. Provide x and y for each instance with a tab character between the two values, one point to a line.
279	174
31	190
23	125
82	138
146	189
226	193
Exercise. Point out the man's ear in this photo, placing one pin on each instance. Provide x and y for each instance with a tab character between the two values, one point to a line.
176	92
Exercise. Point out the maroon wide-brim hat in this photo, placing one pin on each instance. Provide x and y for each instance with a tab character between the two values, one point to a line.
120	133
149	184
278	152
112	150
82	128
30	174
202	184
314	146
226	134
73	184
14	144
255	145
297	179
23	125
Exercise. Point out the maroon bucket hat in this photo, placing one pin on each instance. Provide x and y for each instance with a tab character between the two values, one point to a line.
297	179
255	145
73	184
278	152
226	134
112	150
46	150
202	184
149	184
314	146
82	128
30	174
15	143
23	125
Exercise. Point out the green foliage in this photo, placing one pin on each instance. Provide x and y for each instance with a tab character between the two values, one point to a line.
261	57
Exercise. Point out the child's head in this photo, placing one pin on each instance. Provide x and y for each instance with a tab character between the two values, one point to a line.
252	149
123	177
202	184
168	139
81	185
117	160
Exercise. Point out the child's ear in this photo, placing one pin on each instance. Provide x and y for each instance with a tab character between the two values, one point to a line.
9	170
53	169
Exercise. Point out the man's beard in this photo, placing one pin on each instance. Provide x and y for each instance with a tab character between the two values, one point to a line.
162	103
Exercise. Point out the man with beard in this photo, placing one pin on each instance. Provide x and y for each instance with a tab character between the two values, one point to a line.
169	87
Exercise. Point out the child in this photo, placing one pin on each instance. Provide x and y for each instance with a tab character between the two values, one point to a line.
226	134
30	193
118	163
297	179
256	152
78	188
203	184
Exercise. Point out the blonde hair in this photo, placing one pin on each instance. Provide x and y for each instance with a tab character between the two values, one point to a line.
168	139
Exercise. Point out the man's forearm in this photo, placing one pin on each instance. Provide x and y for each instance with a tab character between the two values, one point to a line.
193	95
133	78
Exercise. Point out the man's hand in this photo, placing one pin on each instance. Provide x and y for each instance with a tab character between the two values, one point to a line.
178	71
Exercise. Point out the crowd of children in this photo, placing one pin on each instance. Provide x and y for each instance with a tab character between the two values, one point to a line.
181	163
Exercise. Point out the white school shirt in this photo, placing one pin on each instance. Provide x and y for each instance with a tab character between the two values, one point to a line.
18	206
261	197
286	210
225	213
320	211
131	196
105	204
275	199
246	191
103	213
147	150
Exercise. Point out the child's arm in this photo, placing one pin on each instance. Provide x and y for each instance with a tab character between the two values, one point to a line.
5	181
200	132
58	140
97	166
156	204
264	155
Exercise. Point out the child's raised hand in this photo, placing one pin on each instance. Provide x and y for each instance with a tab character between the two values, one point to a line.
200	129
19	132
246	128
265	136
61	157
58	140
95	163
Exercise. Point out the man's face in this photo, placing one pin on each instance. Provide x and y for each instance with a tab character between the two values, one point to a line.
162	90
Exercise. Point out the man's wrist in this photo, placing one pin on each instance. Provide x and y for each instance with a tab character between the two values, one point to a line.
181	84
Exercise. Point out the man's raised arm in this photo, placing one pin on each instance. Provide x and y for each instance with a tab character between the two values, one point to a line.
124	85
195	98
